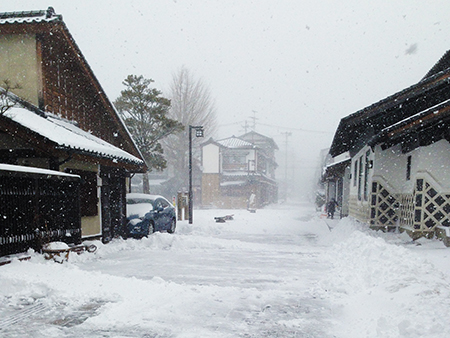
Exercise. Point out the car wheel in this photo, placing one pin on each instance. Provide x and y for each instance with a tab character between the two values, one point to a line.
173	225
151	228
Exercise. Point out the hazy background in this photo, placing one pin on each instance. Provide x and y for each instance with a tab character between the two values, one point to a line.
296	66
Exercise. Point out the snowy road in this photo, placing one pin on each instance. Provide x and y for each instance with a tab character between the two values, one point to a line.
278	273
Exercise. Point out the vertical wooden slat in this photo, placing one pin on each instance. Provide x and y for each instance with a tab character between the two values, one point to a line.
28	204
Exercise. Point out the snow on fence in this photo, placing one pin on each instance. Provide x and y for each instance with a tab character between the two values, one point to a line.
37	206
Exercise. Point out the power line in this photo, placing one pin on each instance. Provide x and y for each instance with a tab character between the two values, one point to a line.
279	127
298	129
254	118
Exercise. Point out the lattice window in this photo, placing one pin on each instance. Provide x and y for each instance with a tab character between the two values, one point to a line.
431	208
383	206
406	210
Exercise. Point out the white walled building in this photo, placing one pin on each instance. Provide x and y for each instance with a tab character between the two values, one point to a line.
235	168
399	149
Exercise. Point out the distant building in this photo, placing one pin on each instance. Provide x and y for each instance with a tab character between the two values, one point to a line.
234	168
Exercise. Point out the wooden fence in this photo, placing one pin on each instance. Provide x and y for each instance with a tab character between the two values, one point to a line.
36	207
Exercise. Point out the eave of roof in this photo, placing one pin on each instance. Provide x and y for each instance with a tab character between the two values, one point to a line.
236	143
67	136
11	169
210	141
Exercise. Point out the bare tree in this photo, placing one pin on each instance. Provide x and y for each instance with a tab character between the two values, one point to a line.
5	101
192	104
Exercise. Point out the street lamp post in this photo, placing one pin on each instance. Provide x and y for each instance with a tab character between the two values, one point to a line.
198	133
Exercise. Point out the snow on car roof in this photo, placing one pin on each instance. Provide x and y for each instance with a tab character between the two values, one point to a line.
140	195
67	135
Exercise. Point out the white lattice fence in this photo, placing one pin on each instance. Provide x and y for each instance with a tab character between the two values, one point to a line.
431	207
383	207
406	210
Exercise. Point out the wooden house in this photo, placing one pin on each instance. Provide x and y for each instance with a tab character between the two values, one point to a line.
62	119
234	168
399	157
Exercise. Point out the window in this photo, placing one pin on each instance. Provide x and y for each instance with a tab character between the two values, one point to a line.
360	178
164	203
355	173
408	168
234	159
366	176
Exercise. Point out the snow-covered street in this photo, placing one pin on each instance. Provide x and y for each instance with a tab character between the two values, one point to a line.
280	272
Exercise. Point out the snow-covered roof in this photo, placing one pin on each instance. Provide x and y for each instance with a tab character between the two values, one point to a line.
29	16
344	157
232	183
415	117
438	113
67	135
352	129
33	170
235	142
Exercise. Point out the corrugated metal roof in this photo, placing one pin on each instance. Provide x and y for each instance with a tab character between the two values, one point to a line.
234	142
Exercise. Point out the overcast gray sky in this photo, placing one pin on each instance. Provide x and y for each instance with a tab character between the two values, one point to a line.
297	66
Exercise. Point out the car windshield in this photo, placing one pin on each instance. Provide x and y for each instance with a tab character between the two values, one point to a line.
131	201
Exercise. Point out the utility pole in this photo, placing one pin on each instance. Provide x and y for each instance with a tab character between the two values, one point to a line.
245	126
254	118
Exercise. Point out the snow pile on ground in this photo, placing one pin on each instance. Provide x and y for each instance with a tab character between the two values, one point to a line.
282	272
384	290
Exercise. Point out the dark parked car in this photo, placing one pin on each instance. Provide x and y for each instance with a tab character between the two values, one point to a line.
147	214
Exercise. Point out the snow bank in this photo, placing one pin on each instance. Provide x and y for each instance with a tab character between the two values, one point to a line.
282	272
383	290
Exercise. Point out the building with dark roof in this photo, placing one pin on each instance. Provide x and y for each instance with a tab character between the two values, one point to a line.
61	118
398	173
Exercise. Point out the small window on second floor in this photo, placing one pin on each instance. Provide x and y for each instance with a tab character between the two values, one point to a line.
408	168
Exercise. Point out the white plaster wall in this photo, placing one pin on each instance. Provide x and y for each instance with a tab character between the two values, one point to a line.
19	64
435	160
251	156
391	165
210	159
346	190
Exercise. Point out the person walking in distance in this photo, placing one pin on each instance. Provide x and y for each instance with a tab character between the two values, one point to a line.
331	208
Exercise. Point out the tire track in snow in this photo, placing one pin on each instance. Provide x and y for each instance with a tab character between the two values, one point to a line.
22	315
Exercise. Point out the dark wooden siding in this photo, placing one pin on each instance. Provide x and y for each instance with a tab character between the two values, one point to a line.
37	210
